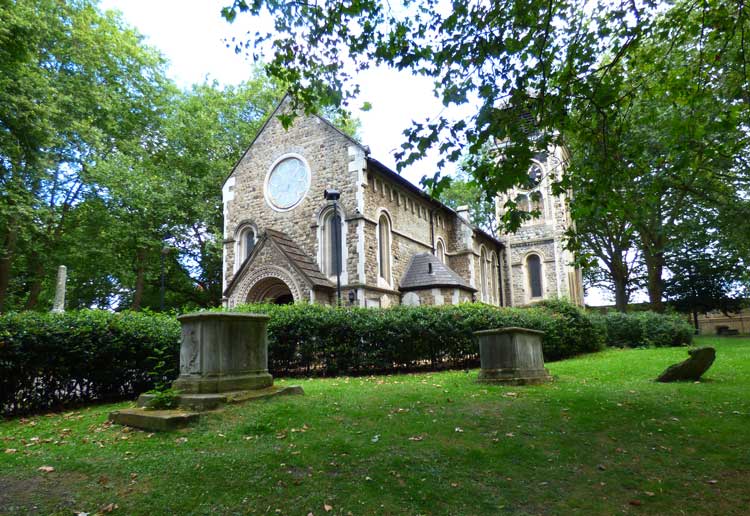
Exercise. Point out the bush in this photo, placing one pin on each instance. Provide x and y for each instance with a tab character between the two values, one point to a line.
647	329
317	340
49	360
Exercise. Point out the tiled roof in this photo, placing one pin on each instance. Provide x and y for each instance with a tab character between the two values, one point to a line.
306	265
297	258
425	270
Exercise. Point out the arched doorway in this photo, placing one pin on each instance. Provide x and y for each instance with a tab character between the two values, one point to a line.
270	290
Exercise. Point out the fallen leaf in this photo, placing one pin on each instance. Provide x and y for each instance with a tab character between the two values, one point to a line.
46	469
459	429
416	438
510	434
10	450
327	507
109	507
713	481
635	502
375	438
649	493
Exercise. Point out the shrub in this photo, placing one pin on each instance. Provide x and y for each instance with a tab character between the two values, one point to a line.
49	360
647	329
317	340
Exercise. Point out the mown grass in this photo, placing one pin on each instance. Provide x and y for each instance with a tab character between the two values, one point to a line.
604	438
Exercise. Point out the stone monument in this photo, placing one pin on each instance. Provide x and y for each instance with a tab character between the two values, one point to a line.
511	356
62	278
691	369
223	352
223	359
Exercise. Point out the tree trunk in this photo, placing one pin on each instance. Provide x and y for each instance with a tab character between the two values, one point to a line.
695	322
140	279
654	269
6	262
618	271
621	294
37	276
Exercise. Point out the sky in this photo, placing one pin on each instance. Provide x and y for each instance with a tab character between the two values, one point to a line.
193	36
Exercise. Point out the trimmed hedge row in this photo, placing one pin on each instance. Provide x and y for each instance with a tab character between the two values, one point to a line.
50	360
636	329
318	340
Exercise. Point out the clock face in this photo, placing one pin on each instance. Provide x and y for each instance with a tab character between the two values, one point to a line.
287	183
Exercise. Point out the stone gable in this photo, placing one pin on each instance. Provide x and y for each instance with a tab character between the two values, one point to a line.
369	194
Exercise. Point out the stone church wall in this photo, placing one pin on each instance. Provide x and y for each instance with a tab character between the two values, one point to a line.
325	151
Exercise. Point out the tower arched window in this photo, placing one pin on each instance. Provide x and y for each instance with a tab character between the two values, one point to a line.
522	202
331	243
534	272
440	250
384	248
537	203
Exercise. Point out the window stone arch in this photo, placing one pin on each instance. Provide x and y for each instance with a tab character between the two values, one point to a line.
534	276
384	236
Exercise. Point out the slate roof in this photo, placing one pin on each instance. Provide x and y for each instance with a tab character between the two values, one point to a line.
304	264
418	276
297	258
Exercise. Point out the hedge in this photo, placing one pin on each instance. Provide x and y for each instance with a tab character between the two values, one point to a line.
51	360
317	340
644	329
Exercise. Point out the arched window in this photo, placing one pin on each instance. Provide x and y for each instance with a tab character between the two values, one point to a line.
245	243
534	271
494	272
331	243
440	250
483	274
537	203
522	202
248	242
384	248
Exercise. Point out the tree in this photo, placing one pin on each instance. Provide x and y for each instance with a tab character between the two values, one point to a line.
77	86
669	78
704	278
663	143
463	191
513	60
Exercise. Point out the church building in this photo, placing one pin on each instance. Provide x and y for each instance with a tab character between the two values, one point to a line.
310	216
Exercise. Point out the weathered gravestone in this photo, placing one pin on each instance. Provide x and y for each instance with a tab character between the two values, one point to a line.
223	359
692	368
511	356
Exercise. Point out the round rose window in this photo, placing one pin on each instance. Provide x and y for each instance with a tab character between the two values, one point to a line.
287	183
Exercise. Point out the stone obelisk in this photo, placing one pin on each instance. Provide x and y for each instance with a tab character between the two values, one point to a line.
62	277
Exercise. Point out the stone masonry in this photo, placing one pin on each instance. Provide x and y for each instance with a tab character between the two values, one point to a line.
370	193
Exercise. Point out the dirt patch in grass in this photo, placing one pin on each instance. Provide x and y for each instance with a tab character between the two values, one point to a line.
37	495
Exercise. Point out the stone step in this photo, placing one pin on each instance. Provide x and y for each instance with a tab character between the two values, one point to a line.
154	420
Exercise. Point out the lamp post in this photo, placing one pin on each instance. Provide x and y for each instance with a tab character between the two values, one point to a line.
334	195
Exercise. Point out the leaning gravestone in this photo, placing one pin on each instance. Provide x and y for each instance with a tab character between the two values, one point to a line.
223	359
511	356
692	368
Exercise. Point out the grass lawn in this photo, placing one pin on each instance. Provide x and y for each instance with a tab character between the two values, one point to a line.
602	439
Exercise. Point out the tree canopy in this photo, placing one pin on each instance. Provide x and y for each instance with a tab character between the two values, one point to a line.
651	95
